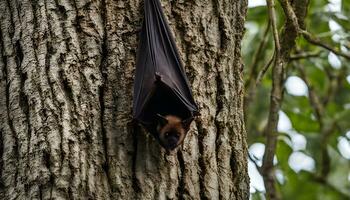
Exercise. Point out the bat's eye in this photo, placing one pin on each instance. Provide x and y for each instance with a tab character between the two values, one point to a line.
167	134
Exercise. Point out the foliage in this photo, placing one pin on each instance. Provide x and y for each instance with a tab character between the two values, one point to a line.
327	76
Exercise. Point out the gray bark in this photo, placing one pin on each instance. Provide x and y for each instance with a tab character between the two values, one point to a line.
66	76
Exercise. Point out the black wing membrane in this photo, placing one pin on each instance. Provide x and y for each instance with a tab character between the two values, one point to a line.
161	85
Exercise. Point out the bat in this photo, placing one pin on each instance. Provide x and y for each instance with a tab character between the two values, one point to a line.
161	87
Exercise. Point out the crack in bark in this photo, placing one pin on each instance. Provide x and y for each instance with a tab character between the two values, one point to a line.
103	64
18	53
181	187
67	89
135	181
2	186
3	59
105	165
72	170
201	162
40	192
11	31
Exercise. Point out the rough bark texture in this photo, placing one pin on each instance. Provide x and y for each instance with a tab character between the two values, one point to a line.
66	76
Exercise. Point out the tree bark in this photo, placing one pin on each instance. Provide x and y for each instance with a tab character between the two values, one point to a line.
66	77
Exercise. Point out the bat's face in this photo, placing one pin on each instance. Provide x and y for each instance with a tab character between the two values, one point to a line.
172	131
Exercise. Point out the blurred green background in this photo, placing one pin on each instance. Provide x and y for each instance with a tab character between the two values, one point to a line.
313	153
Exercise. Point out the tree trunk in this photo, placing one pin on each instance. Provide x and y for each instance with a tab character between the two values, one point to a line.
66	77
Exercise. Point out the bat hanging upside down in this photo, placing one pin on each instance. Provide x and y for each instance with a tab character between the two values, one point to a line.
163	102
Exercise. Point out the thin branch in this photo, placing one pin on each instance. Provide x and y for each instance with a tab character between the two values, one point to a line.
316	41
304	55
326	130
264	70
335	84
272	16
256	57
254	162
290	14
313	98
249	88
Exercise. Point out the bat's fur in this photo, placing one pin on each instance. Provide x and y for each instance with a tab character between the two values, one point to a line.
172	130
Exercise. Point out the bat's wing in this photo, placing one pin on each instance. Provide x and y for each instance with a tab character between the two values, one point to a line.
160	84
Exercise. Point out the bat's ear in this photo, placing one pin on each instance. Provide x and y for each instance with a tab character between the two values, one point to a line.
161	120
187	122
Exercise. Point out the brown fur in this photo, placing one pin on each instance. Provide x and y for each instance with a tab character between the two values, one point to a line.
172	131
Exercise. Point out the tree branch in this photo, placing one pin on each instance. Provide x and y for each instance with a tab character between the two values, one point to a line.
335	84
256	57
304	55
249	88
325	129
283	49
272	16
290	14
295	13
264	70
313	98
316	41
267	167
